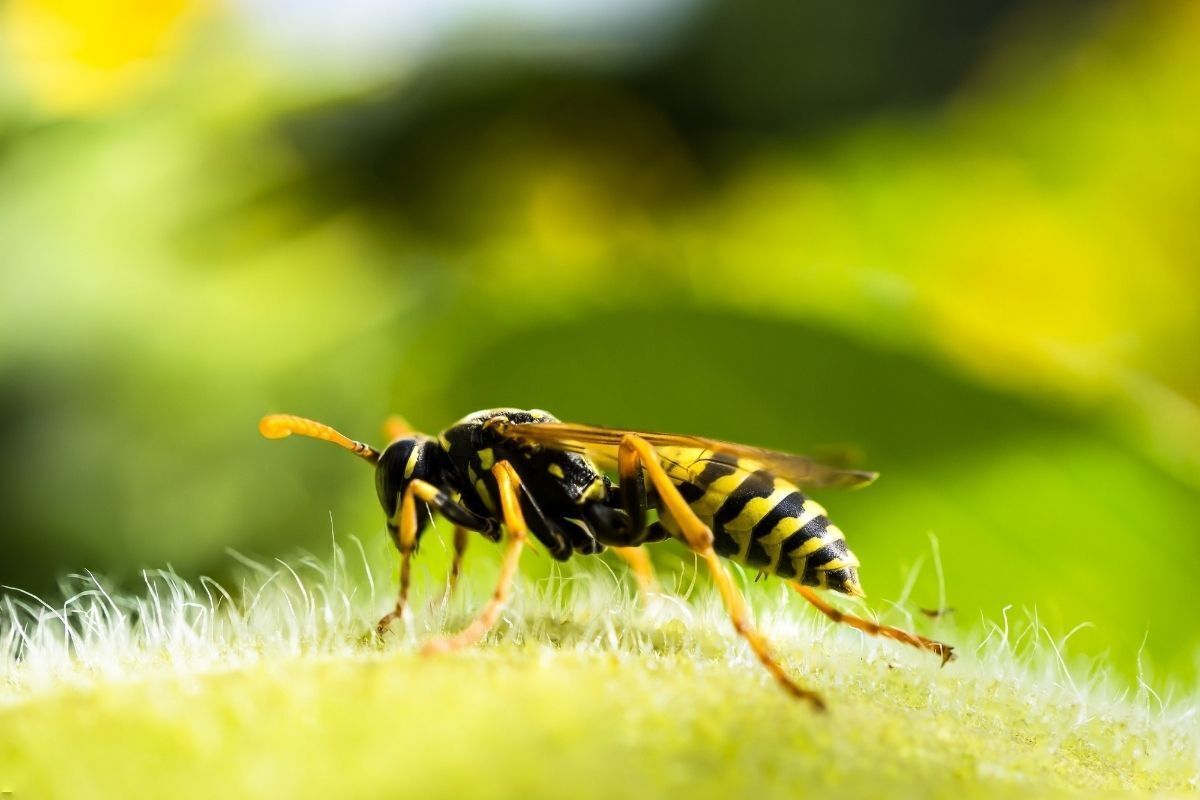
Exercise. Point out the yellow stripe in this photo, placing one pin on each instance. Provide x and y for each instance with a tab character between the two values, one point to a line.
812	510
747	465
759	507
773	541
487	458
556	471
832	534
684	461
482	490
714	495
740	527
425	491
411	464
743	542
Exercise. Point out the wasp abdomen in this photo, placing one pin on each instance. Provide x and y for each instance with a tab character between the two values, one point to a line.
762	520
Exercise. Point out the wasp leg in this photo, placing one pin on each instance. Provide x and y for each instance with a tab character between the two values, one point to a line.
508	483
945	651
396	427
642	569
460	549
406	541
637	455
406	536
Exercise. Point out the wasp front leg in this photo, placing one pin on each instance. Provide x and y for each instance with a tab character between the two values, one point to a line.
508	484
637	459
406	535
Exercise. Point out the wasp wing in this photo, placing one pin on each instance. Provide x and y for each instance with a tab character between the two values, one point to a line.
603	443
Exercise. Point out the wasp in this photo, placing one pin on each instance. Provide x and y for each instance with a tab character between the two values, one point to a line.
527	474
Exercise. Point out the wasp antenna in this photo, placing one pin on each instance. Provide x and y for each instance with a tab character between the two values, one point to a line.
279	426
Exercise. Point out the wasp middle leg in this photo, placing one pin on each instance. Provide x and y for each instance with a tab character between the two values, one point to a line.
460	549
637	457
508	483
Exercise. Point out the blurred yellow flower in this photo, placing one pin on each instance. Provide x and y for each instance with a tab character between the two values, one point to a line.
81	57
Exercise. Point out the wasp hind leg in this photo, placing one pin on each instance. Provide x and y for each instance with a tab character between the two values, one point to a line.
944	651
508	484
637	458
642	569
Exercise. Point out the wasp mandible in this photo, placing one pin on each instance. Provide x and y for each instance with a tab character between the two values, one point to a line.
529	474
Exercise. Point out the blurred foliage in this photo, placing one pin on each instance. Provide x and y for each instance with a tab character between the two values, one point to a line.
962	240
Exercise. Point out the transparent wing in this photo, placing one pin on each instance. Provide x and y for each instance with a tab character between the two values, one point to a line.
602	444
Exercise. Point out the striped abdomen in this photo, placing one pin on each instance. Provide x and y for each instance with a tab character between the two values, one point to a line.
761	520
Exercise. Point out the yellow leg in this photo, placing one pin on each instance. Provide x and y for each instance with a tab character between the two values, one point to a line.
945	651
634	452
396	427
643	570
460	549
406	542
508	482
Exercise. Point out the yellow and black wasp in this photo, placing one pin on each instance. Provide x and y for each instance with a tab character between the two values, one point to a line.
529	473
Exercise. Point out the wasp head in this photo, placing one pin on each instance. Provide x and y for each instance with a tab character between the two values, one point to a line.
409	457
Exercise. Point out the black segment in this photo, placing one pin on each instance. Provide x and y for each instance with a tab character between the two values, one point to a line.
757	555
461	516
690	492
839	580
724	544
791	505
786	568
656	533
610	526
543	529
714	469
580	535
813	528
826	553
756	485
634	499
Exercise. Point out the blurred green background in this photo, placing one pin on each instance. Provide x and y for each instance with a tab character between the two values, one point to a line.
961	238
